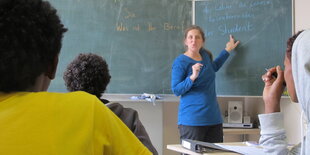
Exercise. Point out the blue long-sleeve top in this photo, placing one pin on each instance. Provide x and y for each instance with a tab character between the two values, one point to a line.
198	103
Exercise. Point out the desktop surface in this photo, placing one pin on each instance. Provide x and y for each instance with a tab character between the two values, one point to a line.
181	149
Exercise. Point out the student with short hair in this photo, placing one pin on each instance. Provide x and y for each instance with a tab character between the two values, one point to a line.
33	121
90	73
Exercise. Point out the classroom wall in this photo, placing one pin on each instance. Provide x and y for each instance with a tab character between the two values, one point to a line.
292	123
302	12
151	117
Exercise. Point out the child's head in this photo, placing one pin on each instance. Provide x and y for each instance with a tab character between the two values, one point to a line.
89	73
30	41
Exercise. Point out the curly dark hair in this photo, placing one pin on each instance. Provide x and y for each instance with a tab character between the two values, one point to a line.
30	39
87	72
289	44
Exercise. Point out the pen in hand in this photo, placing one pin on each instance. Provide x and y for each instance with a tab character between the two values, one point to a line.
275	75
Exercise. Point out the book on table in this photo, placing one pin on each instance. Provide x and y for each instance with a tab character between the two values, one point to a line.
202	147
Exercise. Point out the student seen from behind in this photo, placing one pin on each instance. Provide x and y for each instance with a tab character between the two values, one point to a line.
90	73
34	121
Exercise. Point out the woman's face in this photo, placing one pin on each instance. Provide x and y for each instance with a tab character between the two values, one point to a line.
288	76
193	40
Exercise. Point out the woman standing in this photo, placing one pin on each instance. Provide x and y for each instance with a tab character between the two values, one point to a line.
193	78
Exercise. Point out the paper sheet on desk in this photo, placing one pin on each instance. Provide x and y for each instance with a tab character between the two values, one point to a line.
149	97
247	150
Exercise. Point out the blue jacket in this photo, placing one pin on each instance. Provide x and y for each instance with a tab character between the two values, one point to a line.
198	104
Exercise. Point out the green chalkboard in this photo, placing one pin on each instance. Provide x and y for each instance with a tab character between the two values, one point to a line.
138	38
262	26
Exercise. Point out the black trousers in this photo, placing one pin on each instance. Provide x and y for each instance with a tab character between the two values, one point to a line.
212	133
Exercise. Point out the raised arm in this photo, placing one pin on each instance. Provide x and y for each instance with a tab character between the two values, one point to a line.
220	60
273	136
273	89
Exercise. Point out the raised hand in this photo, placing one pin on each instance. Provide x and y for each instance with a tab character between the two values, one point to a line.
273	89
231	44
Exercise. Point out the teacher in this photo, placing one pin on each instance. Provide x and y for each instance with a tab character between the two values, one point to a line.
193	78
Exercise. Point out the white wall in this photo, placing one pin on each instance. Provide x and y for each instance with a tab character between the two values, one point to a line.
292	123
302	13
150	115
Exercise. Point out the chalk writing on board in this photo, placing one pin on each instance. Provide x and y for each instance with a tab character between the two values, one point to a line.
129	14
149	26
221	13
127	24
244	15
262	26
248	5
132	35
169	26
238	27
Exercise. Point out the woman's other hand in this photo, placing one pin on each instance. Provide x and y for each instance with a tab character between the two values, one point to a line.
196	69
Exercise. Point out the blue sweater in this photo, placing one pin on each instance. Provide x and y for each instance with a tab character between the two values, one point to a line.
198	104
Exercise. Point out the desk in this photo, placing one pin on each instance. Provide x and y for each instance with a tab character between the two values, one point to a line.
234	131
243	132
179	148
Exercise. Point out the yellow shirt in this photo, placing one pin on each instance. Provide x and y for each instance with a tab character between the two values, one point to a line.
75	123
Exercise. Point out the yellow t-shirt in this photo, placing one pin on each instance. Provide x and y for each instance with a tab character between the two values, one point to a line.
77	123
